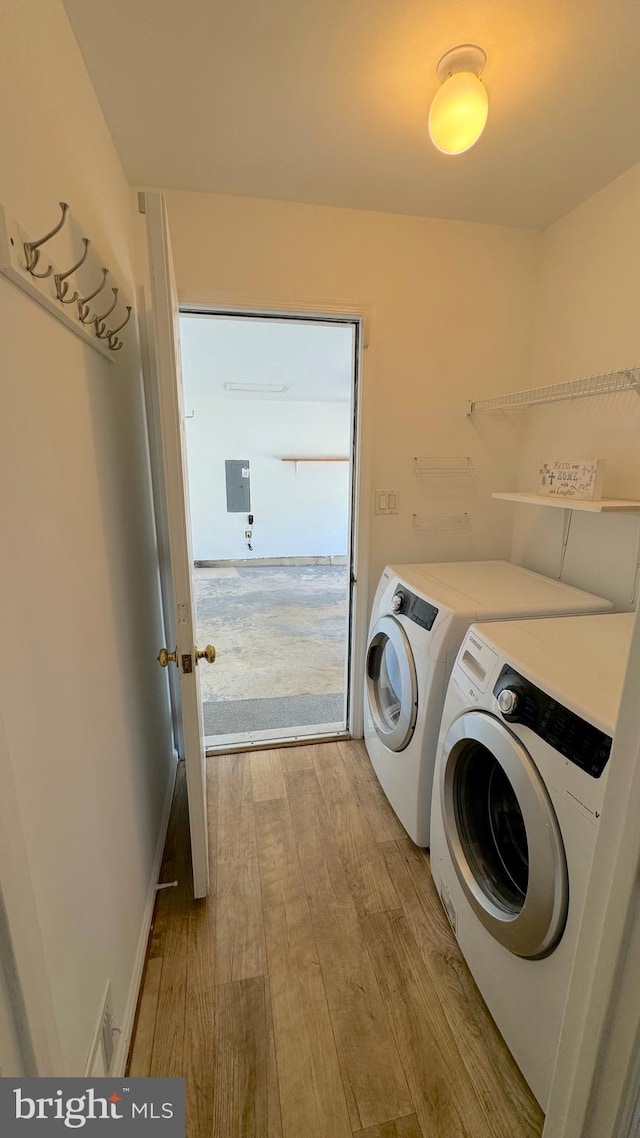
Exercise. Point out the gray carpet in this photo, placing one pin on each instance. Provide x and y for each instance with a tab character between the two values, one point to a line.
237	716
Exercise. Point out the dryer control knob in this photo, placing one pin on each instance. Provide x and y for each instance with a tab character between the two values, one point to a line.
508	701
397	602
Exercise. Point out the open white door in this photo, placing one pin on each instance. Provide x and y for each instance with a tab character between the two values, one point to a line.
182	652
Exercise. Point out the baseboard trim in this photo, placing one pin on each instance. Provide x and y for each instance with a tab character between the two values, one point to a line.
128	1018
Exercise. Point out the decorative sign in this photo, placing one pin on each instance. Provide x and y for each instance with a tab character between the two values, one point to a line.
581	480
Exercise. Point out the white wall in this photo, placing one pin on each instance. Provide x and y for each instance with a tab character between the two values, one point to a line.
586	322
84	703
451	313
299	510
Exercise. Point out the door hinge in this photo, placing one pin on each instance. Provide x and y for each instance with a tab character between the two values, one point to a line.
142	205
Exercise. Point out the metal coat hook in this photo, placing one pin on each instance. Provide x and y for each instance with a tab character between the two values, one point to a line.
32	248
62	284
102	332
83	301
114	343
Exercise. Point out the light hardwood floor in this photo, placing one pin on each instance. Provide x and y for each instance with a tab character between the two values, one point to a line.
318	991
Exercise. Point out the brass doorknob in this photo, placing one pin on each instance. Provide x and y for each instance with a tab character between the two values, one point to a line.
165	656
208	653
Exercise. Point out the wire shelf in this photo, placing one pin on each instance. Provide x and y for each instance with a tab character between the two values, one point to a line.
455	473
609	383
442	524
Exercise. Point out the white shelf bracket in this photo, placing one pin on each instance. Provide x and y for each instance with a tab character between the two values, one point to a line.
636	577
567	518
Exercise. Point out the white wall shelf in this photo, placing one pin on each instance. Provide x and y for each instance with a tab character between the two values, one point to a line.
603	506
312	458
628	379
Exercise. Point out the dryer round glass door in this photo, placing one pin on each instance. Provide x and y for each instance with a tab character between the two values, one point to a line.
503	835
392	687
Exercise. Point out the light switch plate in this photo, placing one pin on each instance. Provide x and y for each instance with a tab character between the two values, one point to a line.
387	502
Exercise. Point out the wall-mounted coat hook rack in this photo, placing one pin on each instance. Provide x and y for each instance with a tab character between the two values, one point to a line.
32	249
60	279
20	262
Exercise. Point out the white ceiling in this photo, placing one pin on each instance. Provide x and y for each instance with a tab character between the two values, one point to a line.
326	101
314	361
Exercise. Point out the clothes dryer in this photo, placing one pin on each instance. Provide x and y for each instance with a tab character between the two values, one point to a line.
420	615
520	778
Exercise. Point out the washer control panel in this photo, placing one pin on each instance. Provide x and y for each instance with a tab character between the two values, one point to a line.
580	742
406	603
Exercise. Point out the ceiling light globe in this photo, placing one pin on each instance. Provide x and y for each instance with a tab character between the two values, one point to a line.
458	113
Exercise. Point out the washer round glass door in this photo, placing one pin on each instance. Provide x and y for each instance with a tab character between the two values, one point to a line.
503	835
392	686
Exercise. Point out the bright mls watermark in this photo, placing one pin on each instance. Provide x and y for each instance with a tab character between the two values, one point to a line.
135	1107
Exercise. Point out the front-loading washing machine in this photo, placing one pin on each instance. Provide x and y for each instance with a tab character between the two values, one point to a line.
419	617
520	777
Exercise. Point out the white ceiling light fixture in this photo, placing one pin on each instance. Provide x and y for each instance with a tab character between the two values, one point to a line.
458	113
263	388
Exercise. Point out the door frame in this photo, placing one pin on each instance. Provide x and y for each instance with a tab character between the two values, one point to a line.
361	314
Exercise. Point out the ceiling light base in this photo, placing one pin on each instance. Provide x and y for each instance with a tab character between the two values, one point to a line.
464	57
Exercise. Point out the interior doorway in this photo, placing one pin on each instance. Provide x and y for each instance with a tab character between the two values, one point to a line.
270	431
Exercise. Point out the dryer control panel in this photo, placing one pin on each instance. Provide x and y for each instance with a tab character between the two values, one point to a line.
406	603
580	742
